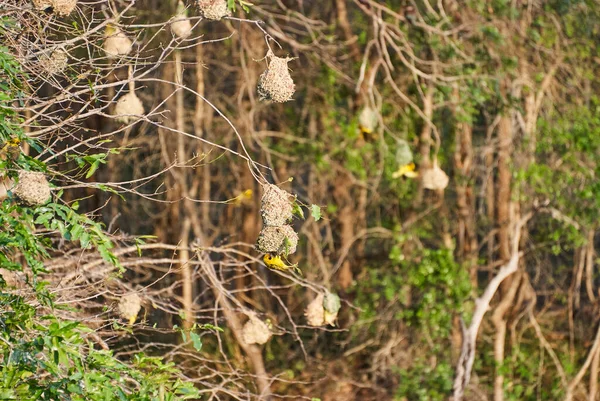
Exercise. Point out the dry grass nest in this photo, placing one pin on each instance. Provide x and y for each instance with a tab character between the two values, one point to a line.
322	310
55	62
275	206
32	189
130	305
435	178
213	9
181	27
116	43
276	83
277	240
255	331
58	7
129	107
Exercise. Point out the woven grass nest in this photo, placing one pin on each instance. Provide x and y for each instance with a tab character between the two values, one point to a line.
116	44
129	306
58	7
129	108
255	331
435	178
275	83
368	119
181	26
32	188
277	240
275	206
213	9
323	310
55	62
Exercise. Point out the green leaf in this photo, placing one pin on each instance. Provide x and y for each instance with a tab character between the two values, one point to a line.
315	211
93	169
297	210
196	341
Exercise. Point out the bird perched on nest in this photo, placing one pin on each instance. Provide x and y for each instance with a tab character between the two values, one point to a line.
407	170
275	262
11	149
367	123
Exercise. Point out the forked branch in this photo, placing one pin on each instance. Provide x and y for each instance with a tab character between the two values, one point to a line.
482	304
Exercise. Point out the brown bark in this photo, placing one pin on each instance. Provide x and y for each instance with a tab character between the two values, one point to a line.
593	389
505	137
589	265
467	246
347	221
500	323
342	14
184	257
425	142
203	172
573	296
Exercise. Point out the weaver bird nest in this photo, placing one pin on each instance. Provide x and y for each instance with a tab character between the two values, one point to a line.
323	310
277	240
129	107
116	44
181	26
55	62
255	331
403	153
213	9
368	119
129	306
435	178
58	7
32	188
275	206
276	83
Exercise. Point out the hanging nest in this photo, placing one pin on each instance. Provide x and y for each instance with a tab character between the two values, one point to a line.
255	331
435	178
181	26
314	312
323	310
281	240
129	108
331	305
116	44
275	206
56	62
58	7
368	119
276	83
32	188
129	306
213	9
404	155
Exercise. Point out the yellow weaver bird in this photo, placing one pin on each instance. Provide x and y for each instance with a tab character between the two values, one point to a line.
275	262
11	148
408	170
242	198
367	134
